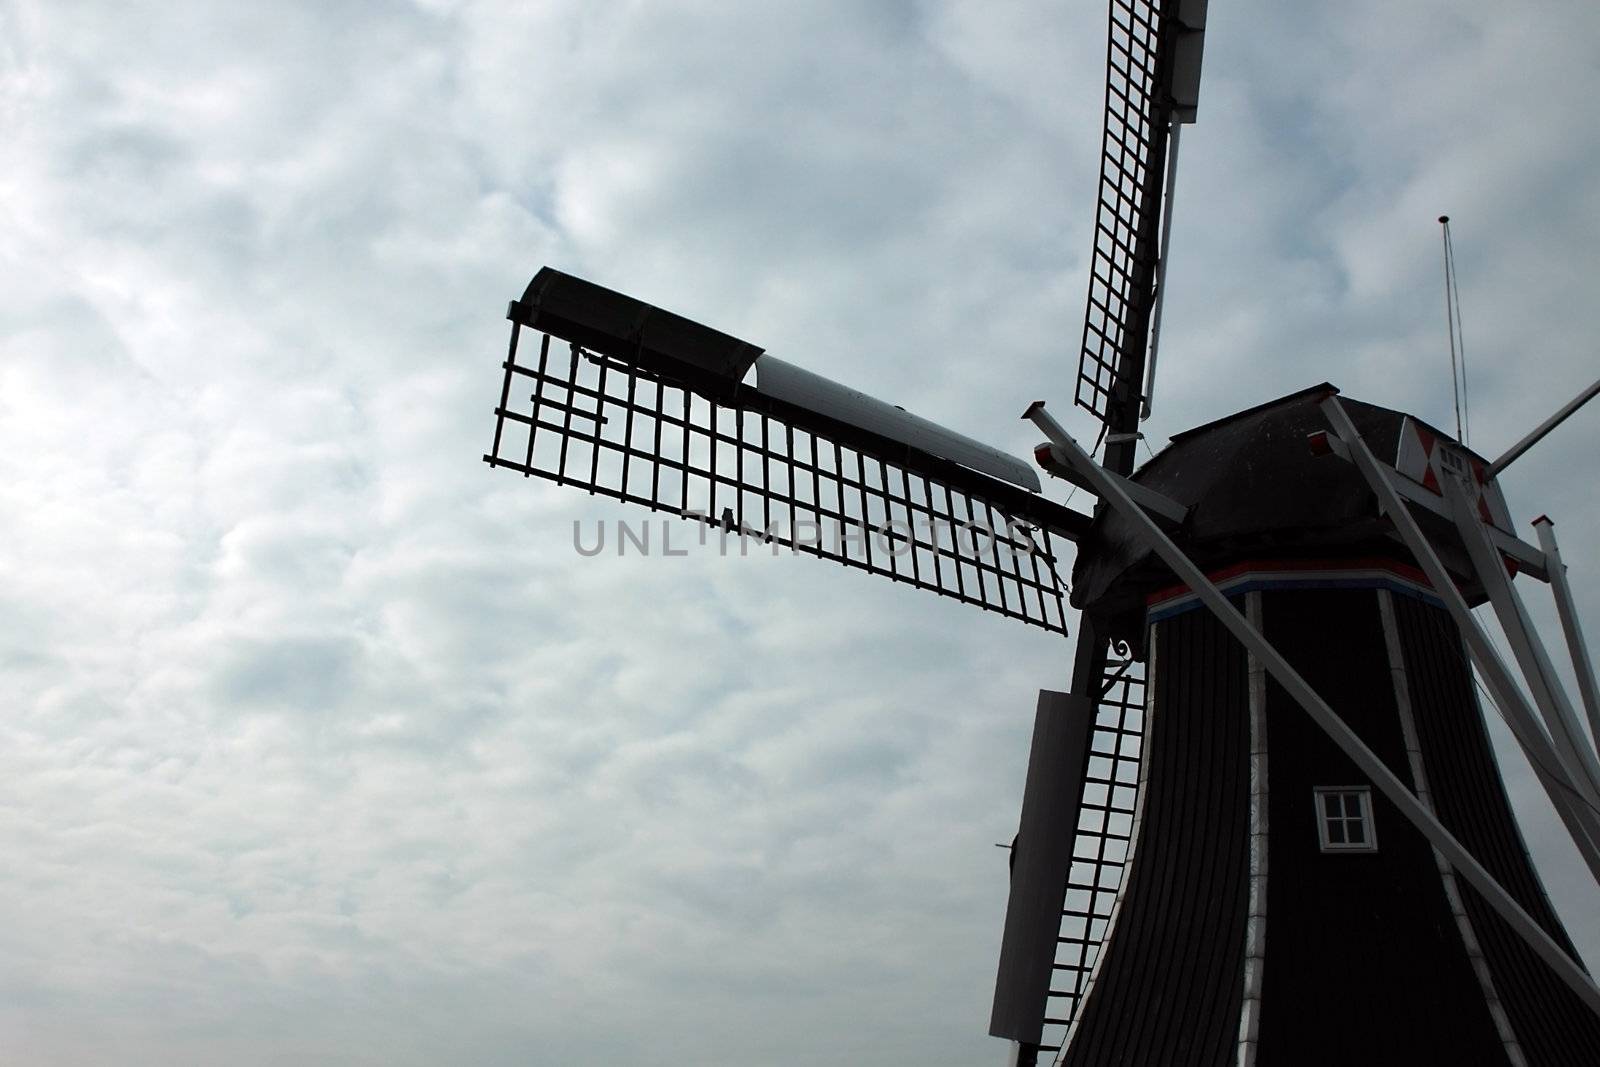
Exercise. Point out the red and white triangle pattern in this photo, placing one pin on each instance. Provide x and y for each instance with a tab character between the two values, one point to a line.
1421	456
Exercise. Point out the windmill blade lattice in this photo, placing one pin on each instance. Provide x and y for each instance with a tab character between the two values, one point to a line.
1102	845
752	467
1133	152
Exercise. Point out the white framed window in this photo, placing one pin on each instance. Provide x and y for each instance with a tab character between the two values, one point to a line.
1452	461
1344	818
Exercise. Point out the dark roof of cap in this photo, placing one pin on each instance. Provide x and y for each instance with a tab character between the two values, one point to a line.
1254	489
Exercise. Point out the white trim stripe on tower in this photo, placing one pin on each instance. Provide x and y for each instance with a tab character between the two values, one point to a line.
1251	575
1255	929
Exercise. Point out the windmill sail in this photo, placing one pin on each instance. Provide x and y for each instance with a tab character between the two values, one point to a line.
646	407
1103	843
1037	1005
1152	81
1152	85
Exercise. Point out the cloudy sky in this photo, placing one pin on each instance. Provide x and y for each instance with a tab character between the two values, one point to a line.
321	744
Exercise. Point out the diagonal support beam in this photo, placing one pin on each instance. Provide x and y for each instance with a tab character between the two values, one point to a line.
1548	693
1568	797
1364	758
1582	665
1543	428
1158	504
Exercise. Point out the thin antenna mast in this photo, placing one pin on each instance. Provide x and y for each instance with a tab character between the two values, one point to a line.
1458	347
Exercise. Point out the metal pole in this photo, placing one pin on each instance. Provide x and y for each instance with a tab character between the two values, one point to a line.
1543	428
1161	269
1450	325
1582	665
1581	820
1363	757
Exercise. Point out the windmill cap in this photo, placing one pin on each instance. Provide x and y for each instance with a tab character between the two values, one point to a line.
1253	490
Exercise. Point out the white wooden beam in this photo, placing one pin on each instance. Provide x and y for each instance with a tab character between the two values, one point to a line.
1569	799
1538	432
1530	559
1576	755
1582	664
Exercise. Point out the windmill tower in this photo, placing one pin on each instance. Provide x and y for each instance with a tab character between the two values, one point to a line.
1346	885
1264	824
1317	862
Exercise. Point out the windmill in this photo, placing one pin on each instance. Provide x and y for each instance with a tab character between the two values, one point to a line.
1264	823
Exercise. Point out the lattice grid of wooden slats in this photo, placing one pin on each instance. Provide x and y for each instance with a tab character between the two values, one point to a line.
1131	128
1102	845
617	430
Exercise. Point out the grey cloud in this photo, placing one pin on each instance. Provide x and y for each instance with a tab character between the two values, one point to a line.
326	745
305	675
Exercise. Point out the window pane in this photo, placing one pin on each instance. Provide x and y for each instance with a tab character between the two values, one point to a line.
1345	816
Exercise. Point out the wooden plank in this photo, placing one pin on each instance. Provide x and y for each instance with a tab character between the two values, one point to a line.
1041	858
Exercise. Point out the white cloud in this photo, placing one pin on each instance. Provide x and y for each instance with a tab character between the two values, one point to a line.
322	741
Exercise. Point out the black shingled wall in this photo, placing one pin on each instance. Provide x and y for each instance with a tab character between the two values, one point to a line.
1168	991
1551	1024
1364	961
